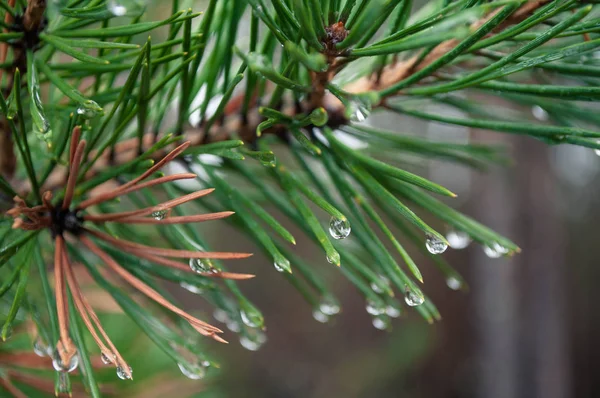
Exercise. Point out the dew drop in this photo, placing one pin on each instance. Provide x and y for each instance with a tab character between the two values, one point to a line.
128	8
253	341
192	371
282	265
458	239
88	109
597	151
251	316
382	322
319	117
40	348
338	228
435	245
329	305
495	250
413	299
375	307
191	288
201	265
393	310
377	287
333	258
453	283
539	113
60	366
159	214
106	359
320	316
220	315
233	326
122	374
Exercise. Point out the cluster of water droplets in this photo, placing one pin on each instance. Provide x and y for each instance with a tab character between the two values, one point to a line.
496	250
435	245
338	228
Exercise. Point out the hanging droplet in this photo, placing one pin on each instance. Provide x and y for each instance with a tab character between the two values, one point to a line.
267	158
458	239
359	106
435	245
413	299
338	228
233	326
329	305
253	341
282	265
159	214
377	287
88	109
251	316
319	117
192	371
122	374
320	316
191	288
453	283
393	310
201	265
106	358
382	322
60	366
539	113
220	315
40	347
333	257
597	151
495	250
375	307
130	8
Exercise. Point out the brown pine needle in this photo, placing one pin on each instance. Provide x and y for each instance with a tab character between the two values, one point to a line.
119	192
126	245
65	346
10	387
74	142
73	172
177	220
145	289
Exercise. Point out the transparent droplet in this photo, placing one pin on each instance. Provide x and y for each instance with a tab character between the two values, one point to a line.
319	117
122	374
220	315
382	322
251	316
201	265
458	239
233	326
320	316
375	307
120	8
192	371
393	310
60	366
88	109
253	341
333	258
40	347
359	106
453	283
282	265
159	215
435	245
191	288
267	158
539	113
329	305
495	250
106	358
383	281
339	229
413	299
597	151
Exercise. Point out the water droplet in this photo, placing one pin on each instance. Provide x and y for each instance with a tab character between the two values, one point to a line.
597	151
254	340
359	106
319	117
333	258
233	326
89	109
201	265
539	113
282	265
495	250
320	316
339	229
413	299
159	215
220	315
251	316
63	383
382	286
375	307
122	374
61	367
329	305
191	288
128	8
40	347
453	283
435	245
458	239
107	359
192	371
382	322
267	158
393	310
